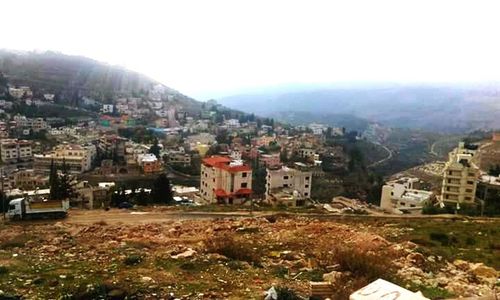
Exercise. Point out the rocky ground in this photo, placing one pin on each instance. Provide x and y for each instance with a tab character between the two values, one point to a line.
221	259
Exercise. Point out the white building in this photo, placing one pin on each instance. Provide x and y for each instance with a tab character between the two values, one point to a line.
287	186
107	108
402	195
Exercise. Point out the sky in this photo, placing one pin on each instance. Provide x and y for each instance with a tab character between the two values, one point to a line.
208	49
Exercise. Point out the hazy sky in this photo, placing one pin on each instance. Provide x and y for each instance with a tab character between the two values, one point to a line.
212	48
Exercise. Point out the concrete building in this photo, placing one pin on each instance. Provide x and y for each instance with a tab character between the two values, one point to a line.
77	158
149	163
225	181
460	176
107	108
287	186
14	150
27	179
179	158
270	160
403	195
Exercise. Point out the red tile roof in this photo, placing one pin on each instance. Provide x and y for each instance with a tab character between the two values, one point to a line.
222	162
216	160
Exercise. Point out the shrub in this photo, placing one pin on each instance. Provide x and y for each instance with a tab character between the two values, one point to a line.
443	238
362	264
234	248
3	270
132	260
285	293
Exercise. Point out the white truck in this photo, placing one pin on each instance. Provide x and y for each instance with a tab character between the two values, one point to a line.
23	209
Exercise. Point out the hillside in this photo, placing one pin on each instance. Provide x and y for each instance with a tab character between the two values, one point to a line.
71	78
446	108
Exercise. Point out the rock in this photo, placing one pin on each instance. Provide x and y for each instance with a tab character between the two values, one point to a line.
53	282
461	264
485	273
116	294
332	277
186	254
416	259
146	279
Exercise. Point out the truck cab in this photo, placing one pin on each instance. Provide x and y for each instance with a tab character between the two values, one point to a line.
16	208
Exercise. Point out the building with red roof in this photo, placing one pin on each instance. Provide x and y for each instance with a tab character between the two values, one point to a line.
225	180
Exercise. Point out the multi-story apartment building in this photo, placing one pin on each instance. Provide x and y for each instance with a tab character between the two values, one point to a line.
287	186
77	158
224	180
460	176
14	150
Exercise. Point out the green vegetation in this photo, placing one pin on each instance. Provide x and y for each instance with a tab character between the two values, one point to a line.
453	239
132	259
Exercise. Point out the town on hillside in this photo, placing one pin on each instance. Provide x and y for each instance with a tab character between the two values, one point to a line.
216	156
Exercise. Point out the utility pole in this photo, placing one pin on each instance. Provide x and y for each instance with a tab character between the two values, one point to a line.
3	195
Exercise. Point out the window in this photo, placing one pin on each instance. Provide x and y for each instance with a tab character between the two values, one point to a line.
244	174
285	185
450	172
471	174
244	185
467	198
468	190
306	194
307	178
285	177
306	186
470	182
402	203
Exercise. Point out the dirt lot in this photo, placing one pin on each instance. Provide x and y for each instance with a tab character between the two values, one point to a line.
168	255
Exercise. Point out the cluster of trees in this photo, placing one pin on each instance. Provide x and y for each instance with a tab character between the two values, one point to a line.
161	193
138	134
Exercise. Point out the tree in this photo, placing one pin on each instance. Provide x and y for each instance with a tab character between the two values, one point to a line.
60	184
161	191
155	149
142	198
54	182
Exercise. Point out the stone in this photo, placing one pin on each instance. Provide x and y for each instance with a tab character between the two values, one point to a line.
416	258
461	264
116	294
186	254
332	277
487	274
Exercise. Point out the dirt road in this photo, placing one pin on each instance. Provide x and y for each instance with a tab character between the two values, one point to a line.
115	216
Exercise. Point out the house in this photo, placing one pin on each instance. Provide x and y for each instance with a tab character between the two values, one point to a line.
225	181
287	186
403	195
107	108
14	150
149	163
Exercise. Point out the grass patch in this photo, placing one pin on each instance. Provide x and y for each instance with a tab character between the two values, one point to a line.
431	292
